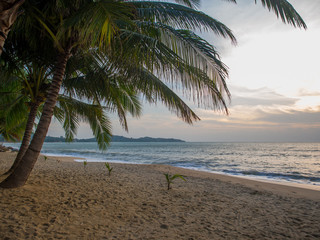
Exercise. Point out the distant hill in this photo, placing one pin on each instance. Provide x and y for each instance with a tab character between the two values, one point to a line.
116	138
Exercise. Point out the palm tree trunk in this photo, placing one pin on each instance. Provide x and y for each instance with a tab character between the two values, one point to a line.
8	15
27	135
21	173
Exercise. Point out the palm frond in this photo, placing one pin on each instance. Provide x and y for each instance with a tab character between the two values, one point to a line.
194	50
67	115
189	3
179	16
170	67
285	11
13	119
76	111
102	82
155	90
95	21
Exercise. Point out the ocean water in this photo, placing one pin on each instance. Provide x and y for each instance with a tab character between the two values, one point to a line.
284	162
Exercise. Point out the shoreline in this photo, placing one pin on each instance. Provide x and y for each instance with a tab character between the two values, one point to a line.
252	178
278	187
295	176
266	180
292	189
63	199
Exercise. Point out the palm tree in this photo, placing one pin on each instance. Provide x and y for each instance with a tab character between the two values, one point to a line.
12	111
111	25
32	82
9	11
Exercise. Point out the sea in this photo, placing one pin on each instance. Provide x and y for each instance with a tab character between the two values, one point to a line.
277	162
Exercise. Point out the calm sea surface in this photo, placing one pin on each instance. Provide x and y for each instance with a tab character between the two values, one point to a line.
289	162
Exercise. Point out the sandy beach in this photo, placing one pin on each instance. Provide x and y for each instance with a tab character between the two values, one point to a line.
64	200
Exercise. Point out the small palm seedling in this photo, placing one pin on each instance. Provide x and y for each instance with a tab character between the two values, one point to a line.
108	167
45	158
170	178
85	163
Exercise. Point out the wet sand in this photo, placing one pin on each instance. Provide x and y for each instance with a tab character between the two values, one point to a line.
65	200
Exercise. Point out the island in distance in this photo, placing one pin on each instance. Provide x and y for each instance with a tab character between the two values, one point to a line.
116	138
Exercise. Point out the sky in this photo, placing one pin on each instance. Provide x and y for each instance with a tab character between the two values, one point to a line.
274	82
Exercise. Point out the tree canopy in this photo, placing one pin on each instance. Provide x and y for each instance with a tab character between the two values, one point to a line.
124	48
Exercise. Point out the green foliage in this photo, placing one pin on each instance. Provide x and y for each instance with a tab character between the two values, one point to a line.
116	51
28	84
108	167
45	157
13	111
284	10
137	46
85	163
170	178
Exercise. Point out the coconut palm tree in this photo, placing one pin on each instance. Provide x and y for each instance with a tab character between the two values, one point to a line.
12	111
32	82
9	11
110	25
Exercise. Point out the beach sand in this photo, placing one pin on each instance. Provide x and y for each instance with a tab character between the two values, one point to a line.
64	200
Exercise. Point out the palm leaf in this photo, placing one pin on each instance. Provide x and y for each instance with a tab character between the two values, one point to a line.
189	3
178	176
179	16
155	90
95	21
76	111
285	11
170	67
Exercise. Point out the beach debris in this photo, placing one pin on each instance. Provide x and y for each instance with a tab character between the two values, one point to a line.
164	226
108	167
3	148
170	178
7	149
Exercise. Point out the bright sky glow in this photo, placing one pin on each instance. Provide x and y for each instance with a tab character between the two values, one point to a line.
274	81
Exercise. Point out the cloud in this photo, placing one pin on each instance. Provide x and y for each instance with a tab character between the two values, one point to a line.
266	117
275	69
243	124
259	124
309	11
308	93
259	97
247	19
304	118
